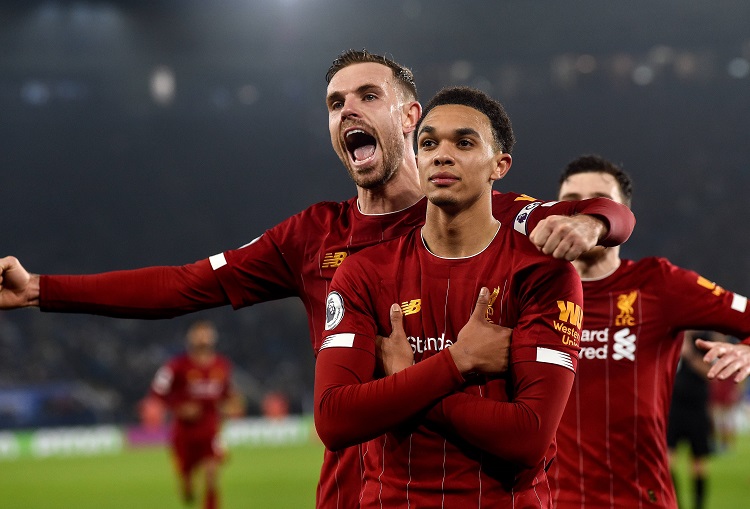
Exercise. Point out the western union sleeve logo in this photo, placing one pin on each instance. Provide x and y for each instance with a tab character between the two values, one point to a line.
411	307
524	197
710	285
333	260
570	313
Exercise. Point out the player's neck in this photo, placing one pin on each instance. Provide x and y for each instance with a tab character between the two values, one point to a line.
459	235
202	358
599	266
400	192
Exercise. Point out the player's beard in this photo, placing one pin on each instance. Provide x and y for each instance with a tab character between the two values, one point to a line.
376	176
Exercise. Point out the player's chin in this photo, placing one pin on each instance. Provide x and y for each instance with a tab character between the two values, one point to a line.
370	178
443	199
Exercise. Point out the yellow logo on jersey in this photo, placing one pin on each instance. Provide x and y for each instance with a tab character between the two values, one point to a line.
493	297
333	260
625	305
524	197
570	313
411	307
705	283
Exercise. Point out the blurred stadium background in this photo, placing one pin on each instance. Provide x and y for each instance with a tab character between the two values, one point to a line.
160	132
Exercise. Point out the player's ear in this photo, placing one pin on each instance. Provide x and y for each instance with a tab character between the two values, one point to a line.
412	111
503	161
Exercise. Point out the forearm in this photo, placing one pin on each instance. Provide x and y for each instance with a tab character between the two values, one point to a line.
618	219
152	292
519	431
351	408
31	293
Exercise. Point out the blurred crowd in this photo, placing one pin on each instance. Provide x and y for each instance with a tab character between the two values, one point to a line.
61	370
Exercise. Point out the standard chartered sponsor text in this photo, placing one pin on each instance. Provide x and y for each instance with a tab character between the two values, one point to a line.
595	344
419	345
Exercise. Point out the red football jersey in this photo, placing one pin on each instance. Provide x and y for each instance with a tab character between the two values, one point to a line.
182	380
473	454
297	257
612	450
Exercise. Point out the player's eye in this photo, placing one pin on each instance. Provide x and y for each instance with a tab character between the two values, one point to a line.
426	143
370	97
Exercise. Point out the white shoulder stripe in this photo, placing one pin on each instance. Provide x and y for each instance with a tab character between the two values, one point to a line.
551	356
217	261
344	340
739	303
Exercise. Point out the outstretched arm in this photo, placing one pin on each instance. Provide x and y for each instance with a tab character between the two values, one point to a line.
151	292
570	228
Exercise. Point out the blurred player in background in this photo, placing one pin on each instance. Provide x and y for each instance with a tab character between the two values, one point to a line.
196	387
689	418
372	111
612	450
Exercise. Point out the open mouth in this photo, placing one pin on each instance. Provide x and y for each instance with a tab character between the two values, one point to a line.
359	144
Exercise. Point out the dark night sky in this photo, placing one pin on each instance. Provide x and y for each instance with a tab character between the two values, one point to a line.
97	175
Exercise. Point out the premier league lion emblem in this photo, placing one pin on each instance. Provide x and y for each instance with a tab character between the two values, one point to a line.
334	310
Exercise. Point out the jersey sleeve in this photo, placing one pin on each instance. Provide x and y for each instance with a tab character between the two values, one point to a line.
351	405
519	431
151	292
274	265
163	383
694	302
525	213
263	270
226	391
550	315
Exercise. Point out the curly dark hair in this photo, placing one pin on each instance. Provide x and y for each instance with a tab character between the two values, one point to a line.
403	74
593	163
502	130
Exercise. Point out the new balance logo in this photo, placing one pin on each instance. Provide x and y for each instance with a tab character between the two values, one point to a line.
411	307
624	346
333	260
